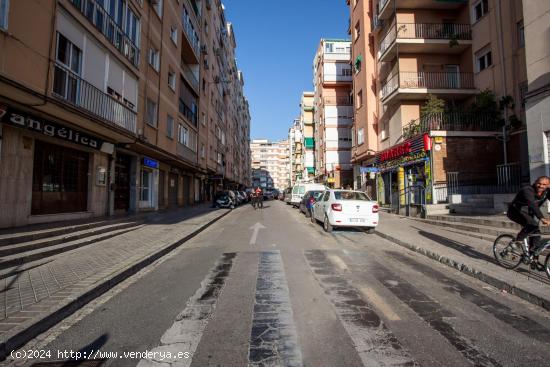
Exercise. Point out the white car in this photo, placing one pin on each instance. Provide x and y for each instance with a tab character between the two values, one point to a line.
345	208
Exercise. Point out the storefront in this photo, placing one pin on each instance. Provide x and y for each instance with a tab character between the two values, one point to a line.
404	173
149	177
50	171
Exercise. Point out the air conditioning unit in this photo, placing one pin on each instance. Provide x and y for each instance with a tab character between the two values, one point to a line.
383	135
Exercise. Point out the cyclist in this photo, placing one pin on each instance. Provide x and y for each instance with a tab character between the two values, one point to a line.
259	197
525	210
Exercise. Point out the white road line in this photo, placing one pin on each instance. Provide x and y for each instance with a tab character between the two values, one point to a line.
337	260
185	334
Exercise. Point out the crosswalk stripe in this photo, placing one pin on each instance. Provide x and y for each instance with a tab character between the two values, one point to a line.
273	339
379	303
374	342
433	313
185	333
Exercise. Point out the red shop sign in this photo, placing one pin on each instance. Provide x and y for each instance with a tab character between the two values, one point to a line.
396	152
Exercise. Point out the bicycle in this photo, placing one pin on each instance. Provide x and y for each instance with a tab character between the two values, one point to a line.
509	253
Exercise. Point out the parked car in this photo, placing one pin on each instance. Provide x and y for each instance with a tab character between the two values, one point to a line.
281	196
241	199
287	195
345	208
268	195
244	195
300	189
309	200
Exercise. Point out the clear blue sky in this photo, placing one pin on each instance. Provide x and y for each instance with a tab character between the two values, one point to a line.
276	43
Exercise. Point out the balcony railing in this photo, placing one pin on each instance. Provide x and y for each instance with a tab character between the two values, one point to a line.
186	111
190	76
110	28
337	101
73	89
443	31
427	79
451	121
381	5
186	153
191	35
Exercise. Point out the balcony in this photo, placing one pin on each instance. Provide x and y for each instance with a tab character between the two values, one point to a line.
190	77
414	85
190	49
186	111
386	7
74	90
451	121
437	38
186	153
342	78
338	101
109	27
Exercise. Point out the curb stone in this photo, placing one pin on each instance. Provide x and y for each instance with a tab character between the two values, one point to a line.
468	270
29	330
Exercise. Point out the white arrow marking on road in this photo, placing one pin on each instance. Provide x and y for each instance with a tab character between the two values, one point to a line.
256	227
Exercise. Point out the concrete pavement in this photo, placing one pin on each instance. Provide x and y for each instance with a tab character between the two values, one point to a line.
37	298
470	255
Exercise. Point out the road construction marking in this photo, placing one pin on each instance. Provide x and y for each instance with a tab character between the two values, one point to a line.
375	344
337	260
186	332
273	338
379	303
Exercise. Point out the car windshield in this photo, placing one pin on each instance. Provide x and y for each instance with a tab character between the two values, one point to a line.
350	195
301	190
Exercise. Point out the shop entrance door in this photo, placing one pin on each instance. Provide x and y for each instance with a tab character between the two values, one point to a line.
173	190
186	190
60	179
122	181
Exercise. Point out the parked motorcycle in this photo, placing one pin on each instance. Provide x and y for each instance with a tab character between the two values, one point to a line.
225	201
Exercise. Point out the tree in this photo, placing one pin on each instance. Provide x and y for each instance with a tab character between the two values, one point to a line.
433	105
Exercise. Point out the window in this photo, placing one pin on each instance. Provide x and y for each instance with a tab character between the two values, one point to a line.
357	30
346	72
521	34
183	135
359	102
4	9
174	34
203	120
67	69
480	9
151	113
170	127
329	47
132	27
484	59
203	151
172	80
158	7
154	58
360	136
146	177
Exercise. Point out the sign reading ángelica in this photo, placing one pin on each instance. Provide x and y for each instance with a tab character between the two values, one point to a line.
48	128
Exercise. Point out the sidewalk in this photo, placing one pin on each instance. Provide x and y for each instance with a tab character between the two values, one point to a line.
37	298
470	255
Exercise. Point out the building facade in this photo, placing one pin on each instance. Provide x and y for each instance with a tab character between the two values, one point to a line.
307	127
295	151
431	83
101	108
537	103
270	164
333	113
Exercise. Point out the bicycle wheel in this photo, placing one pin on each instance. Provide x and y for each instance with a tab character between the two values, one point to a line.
507	252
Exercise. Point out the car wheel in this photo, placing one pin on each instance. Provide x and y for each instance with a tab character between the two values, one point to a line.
326	225
370	230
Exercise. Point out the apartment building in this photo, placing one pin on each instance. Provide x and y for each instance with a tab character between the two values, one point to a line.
270	163
427	90
537	100
100	105
295	149
308	135
333	112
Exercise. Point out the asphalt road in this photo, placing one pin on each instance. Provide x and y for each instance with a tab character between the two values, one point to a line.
292	295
